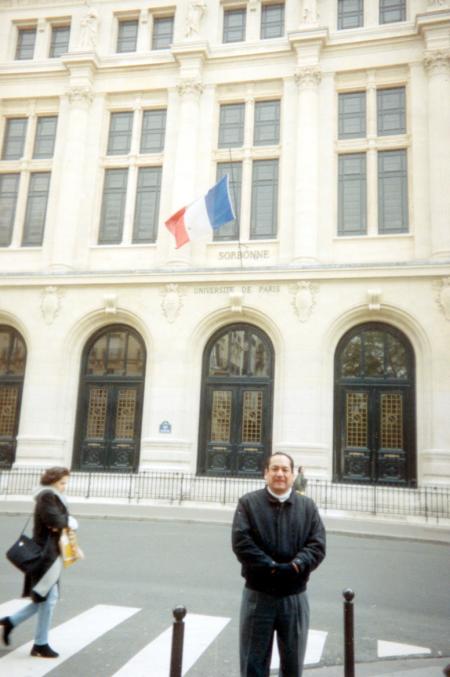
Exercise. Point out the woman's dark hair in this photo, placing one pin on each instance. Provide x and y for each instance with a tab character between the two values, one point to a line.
52	475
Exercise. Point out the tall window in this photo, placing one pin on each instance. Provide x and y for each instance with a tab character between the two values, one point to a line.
14	139
392	10
264	221
28	147
113	206
391	111
153	131
119	140
231	125
234	25
9	189
272	21
352	213
392	192
59	43
352	115
350	14
267	123
162	36
44	142
127	36
230	230
26	38
147	204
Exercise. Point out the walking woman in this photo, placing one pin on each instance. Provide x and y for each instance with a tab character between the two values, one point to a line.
51	516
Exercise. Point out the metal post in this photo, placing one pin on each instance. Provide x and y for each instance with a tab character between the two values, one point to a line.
349	650
176	657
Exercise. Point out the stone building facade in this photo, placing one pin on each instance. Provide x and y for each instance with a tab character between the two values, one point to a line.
317	322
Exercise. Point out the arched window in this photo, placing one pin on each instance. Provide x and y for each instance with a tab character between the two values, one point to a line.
13	356
374	407
109	414
235	434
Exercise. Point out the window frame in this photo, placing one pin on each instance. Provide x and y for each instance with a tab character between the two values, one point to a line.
227	13
342	14
258	184
121	23
259	125
20	48
266	23
384	8
8	138
33	195
115	135
9	218
399	175
55	28
157	21
343	229
140	190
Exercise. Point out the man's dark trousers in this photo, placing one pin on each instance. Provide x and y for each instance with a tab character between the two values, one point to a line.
261	616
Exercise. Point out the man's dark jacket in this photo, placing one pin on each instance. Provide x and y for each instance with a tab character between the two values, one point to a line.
267	531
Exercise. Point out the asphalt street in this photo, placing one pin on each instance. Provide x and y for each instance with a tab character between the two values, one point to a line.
402	592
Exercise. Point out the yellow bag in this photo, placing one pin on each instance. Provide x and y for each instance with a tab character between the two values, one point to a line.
70	551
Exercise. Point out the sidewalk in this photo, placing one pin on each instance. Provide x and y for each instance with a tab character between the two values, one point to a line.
398	667
359	524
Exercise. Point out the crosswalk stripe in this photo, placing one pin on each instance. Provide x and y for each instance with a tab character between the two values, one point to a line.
314	649
68	639
199	632
13	605
386	649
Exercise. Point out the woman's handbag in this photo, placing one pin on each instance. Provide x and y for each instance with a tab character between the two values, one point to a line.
25	553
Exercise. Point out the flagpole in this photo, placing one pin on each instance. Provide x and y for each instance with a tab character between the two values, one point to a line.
233	190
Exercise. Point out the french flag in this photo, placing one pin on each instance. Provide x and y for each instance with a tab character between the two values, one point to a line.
208	213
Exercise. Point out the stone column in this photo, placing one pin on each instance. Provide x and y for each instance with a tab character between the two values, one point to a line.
437	64
307	174
371	166
74	118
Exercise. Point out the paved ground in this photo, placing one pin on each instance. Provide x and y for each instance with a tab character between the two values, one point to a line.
136	571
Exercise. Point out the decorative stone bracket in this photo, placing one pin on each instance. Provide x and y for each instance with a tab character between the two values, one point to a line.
303	298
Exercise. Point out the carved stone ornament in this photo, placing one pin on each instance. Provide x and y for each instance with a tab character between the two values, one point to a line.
50	303
80	95
110	303
172	302
303	299
437	4
310	13
196	11
443	296
437	61
235	299
89	30
190	87
373	296
308	76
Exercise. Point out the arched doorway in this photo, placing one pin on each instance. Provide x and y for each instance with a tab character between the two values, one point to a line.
109	416
13	355
374	408
235	434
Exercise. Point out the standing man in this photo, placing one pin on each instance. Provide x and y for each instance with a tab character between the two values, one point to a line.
279	538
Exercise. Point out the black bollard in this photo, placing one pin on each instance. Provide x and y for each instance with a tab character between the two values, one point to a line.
349	649
176	656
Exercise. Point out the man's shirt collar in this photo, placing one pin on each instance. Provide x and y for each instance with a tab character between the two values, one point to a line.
280	497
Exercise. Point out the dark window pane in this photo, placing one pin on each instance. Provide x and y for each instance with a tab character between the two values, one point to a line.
272	21
231	125
350	14
162	32
264	216
97	357
392	192
267	123
351	358
374	353
116	353
127	36
352	115
14	139
60	41
135	357
352	194
234	25
153	131
113	207
9	188
33	232
44	142
392	10
26	38
219	357
120	128
391	109
147	204
230	230
12	353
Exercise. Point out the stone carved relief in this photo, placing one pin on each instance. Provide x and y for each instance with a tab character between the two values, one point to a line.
192	87
437	60
235	299
310	14
110	303
303	299
50	303
172	302
80	95
89	30
442	288
308	76
436	4
196	11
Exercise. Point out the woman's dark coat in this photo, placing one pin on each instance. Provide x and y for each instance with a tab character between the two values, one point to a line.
50	518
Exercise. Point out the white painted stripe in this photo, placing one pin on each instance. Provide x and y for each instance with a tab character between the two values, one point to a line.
154	659
196	220
385	649
67	638
13	605
314	649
